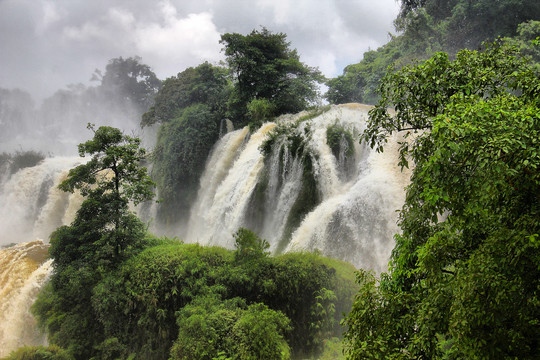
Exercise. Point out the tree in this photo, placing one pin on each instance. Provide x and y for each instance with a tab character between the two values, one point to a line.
205	84
38	353
464	274
430	26
103	234
264	67
109	180
129	82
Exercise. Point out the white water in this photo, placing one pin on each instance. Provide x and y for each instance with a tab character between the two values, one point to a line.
355	220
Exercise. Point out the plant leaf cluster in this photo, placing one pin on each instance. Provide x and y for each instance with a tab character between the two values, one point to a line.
463	280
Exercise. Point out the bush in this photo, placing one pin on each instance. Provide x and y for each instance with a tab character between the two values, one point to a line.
39	353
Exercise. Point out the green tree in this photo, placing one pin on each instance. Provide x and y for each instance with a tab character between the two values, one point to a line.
205	84
103	234
128	82
429	26
264	67
109	180
464	275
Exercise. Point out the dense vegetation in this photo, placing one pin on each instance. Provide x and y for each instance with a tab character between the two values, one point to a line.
190	108
429	26
264	68
464	275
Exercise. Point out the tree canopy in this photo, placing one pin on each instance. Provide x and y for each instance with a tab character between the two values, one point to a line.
205	84
464	275
264	67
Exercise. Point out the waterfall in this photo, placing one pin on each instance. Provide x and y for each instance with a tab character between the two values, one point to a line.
23	271
32	206
227	186
288	181
355	218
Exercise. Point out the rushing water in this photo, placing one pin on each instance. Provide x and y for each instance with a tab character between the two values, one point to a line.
354	218
23	271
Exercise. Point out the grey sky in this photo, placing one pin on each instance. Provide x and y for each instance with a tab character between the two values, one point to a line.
47	44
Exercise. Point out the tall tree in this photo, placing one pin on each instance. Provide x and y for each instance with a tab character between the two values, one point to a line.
103	234
129	81
264	67
205	84
464	275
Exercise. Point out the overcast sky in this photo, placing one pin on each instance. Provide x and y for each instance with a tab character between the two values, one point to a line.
47	44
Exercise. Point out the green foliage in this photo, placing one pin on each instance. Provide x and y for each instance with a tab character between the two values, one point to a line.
527	34
264	67
103	234
204	84
336	135
421	91
259	334
179	159
207	302
39	353
429	26
210	328
464	272
249	246
259	110
205	328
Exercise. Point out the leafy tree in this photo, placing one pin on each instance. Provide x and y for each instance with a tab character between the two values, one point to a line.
259	334
205	84
190	301
463	280
109	180
103	234
525	40
264	67
210	327
129	81
249	246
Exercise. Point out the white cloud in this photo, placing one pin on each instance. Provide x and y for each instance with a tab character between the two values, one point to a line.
179	42
47	44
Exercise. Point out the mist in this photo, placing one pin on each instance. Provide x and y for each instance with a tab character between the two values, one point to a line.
123	92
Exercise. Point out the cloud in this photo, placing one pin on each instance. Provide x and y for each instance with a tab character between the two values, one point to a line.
178	41
48	44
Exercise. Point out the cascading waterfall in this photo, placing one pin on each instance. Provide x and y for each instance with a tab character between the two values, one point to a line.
284	181
23	271
31	208
356	216
221	208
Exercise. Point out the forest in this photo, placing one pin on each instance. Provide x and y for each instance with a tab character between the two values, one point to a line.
460	82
